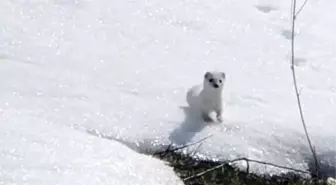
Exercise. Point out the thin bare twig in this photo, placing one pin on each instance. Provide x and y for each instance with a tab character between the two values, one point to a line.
247	166
247	161
300	91
199	146
296	87
301	8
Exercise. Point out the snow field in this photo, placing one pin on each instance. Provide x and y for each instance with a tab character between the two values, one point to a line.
123	69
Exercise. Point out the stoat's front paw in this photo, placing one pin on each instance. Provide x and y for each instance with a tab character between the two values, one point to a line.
209	117
219	116
220	119
206	118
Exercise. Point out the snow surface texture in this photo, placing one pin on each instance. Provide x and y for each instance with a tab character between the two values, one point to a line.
34	151
39	101
123	68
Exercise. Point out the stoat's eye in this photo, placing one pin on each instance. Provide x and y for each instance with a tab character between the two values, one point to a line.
210	80
220	81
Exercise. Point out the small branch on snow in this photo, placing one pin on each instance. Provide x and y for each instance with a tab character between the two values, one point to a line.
170	149
247	169
297	93
247	160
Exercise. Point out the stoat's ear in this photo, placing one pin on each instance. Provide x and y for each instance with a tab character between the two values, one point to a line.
223	75
207	75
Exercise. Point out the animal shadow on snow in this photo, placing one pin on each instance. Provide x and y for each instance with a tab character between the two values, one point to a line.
191	125
193	122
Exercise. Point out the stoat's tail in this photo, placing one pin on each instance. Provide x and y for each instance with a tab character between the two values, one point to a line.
192	95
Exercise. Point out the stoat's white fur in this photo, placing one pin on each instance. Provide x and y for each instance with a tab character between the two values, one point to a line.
208	99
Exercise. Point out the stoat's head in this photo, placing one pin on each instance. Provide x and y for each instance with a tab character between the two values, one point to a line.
214	80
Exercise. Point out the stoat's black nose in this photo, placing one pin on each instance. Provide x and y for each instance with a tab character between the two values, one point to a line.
216	86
